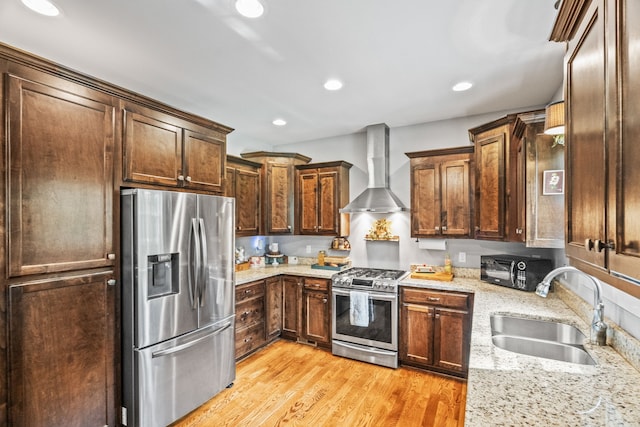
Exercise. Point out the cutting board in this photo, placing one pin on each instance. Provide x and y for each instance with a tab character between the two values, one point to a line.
440	275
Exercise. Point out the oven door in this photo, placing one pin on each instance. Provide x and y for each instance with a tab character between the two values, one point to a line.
382	330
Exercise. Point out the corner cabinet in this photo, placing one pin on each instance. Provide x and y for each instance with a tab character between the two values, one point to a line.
164	150
435	330
321	190
60	258
278	177
441	192
244	183
602	154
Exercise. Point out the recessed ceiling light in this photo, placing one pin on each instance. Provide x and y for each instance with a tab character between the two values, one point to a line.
43	7
462	86
333	84
249	8
279	122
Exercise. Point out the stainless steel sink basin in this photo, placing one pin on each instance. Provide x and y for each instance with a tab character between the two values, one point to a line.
550	340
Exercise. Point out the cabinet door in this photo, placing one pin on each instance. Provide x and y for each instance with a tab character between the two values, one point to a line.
450	349
247	202
204	159
328	217
60	168
274	307
279	199
490	188
230	186
585	148
152	148
61	352
316	316
292	313
426	201
455	208
308	187
623	163
416	343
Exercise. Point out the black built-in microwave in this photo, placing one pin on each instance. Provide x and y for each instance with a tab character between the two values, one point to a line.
514	271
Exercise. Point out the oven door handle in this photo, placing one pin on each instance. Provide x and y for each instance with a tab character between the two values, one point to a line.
376	295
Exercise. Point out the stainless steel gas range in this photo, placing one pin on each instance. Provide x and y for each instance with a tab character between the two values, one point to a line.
365	315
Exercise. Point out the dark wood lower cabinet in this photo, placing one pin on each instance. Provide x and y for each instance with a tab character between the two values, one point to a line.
435	330
250	317
291	306
274	307
316	313
61	347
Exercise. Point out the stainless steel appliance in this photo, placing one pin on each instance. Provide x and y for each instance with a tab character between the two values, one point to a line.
365	315
514	271
177	304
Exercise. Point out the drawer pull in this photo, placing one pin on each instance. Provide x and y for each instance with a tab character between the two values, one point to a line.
433	299
248	339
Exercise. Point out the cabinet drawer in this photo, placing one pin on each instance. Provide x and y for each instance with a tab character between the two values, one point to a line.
249	312
316	284
441	299
249	339
249	290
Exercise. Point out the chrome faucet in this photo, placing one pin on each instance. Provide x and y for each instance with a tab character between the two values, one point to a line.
598	327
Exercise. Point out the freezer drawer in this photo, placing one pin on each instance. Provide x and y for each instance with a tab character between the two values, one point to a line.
177	376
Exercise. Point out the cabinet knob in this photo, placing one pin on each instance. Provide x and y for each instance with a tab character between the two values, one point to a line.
188	178
324	300
437	228
599	245
180	177
444	228
588	244
111	256
111	282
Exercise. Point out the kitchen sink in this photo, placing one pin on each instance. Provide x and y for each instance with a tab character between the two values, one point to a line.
539	338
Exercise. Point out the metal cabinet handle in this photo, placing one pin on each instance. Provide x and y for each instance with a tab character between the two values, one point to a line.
324	300
111	256
588	244
188	178
433	299
111	282
444	228
180	177
437	228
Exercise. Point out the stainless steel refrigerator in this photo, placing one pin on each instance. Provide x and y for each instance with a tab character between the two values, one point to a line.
178	303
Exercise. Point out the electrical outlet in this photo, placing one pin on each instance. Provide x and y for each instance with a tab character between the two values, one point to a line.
308	249
462	257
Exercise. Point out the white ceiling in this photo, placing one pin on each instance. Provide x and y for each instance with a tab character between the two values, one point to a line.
397	58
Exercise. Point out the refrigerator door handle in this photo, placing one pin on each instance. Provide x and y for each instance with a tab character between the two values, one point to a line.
203	266
194	263
189	344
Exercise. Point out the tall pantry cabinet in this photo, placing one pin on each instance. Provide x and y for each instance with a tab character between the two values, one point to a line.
66	152
58	145
602	123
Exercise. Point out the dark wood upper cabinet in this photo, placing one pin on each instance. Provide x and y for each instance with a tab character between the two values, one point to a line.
163	150
244	183
441	192
602	154
321	190
60	169
278	178
492	147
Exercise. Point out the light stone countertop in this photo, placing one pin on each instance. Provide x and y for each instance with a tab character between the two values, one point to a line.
510	389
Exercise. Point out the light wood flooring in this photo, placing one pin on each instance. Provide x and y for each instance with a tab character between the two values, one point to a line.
294	384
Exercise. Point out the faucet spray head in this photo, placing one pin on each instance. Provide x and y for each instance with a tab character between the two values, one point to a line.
543	289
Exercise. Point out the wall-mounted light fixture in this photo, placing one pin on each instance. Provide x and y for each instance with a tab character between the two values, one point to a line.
554	122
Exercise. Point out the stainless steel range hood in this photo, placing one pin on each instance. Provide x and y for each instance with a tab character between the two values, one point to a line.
377	197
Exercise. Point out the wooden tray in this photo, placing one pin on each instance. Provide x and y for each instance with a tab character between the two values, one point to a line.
440	275
338	267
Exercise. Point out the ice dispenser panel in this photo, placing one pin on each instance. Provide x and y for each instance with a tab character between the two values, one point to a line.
164	275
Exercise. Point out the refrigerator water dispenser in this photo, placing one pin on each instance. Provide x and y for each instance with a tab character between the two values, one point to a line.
163	279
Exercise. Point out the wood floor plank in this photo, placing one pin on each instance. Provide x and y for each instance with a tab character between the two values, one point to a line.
293	384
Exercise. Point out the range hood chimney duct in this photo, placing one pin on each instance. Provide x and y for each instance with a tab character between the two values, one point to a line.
377	197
